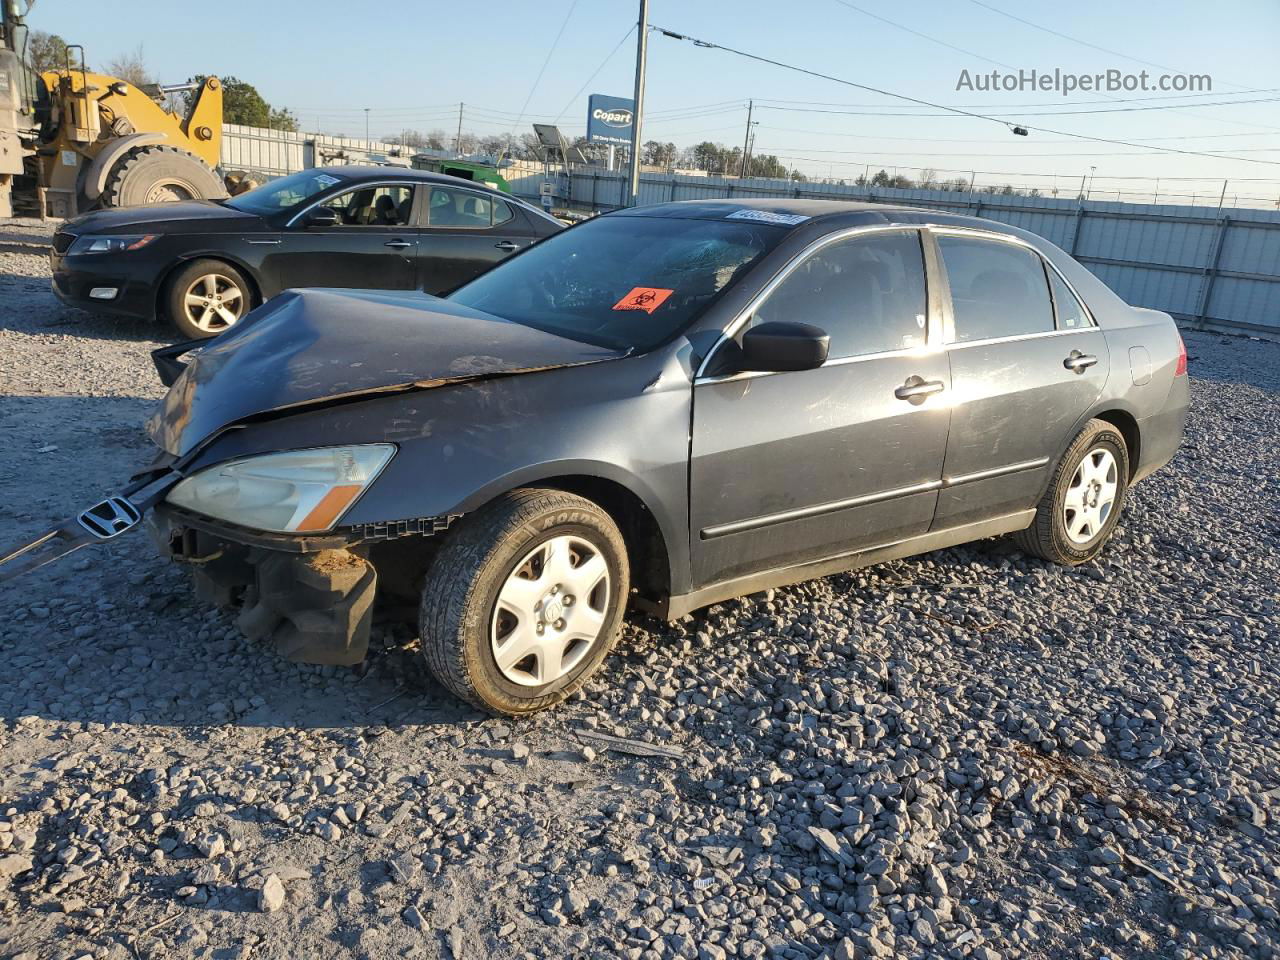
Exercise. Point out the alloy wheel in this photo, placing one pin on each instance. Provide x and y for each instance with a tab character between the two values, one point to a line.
1091	495
550	611
213	302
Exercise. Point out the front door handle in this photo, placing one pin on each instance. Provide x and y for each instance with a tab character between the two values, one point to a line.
507	245
398	244
917	389
1079	362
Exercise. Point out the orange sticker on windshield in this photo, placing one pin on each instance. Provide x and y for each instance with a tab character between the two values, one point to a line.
647	299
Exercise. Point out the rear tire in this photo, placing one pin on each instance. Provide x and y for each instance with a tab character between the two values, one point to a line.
206	297
524	601
157	174
1081	508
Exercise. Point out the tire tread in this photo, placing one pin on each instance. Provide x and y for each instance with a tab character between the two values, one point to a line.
1039	539
448	607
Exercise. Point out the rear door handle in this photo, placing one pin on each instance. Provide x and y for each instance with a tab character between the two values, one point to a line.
1079	362
917	389
398	244
507	245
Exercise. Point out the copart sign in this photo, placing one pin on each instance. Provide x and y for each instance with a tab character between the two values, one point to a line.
609	119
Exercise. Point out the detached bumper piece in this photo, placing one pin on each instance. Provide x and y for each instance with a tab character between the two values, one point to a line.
316	608
314	602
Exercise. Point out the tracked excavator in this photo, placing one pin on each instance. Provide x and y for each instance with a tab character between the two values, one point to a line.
72	140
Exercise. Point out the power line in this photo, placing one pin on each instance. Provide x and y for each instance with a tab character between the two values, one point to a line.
867	136
1027	113
1046	103
937	106
953	153
546	60
1083	43
1013	173
923	36
594	73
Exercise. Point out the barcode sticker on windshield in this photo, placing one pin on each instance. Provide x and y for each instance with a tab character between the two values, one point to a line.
647	299
768	216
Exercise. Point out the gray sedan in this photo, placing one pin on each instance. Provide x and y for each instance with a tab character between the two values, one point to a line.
664	407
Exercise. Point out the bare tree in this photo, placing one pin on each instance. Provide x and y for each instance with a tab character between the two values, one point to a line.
131	67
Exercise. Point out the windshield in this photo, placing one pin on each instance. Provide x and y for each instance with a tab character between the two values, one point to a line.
628	281
285	193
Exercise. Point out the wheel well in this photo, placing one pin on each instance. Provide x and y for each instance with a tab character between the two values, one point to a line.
1128	427
646	547
162	288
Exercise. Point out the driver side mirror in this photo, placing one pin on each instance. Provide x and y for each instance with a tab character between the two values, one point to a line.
321	217
778	346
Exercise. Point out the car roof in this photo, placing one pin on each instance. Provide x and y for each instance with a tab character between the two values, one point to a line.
831	214
810	209
369	171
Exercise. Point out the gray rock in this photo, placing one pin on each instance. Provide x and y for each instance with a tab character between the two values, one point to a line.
271	896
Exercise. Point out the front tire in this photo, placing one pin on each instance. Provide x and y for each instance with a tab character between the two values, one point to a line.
206	297
1081	508
160	174
524	601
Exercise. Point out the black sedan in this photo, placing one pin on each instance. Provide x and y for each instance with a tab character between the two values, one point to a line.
666	406
204	264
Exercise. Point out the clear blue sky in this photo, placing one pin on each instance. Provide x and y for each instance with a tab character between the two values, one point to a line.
411	63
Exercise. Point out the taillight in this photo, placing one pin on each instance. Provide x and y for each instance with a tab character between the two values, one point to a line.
1181	369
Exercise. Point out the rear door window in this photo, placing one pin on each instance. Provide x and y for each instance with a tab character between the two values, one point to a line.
467	209
997	289
1071	312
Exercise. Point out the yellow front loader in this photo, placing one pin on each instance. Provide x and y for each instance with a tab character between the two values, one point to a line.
72	140
106	143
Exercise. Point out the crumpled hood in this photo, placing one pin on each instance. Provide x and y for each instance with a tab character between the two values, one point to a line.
310	347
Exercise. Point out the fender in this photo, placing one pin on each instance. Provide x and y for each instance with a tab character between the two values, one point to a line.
675	538
95	175
1100	405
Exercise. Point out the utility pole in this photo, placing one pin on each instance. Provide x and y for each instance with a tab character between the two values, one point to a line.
642	49
746	138
1223	197
366	126
457	142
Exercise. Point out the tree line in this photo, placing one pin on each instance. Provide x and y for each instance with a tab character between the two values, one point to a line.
241	101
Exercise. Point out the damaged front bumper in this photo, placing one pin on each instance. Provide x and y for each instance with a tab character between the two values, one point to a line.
311	595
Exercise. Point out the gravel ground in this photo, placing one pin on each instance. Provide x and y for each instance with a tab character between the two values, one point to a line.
968	754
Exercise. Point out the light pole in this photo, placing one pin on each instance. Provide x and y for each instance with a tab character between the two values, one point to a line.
746	137
1089	190
642	48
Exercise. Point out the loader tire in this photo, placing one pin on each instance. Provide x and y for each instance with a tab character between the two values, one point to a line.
159	174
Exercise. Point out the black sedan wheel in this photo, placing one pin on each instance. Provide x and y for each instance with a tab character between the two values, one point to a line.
524	601
207	297
1082	506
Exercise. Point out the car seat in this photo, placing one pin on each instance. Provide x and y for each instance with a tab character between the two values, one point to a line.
385	212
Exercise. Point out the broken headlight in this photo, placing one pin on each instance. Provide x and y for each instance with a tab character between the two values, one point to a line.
100	244
299	491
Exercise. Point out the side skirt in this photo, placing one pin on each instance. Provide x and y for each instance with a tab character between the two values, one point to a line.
677	606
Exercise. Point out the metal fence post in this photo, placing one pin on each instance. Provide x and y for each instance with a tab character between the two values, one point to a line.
1211	271
1075	233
